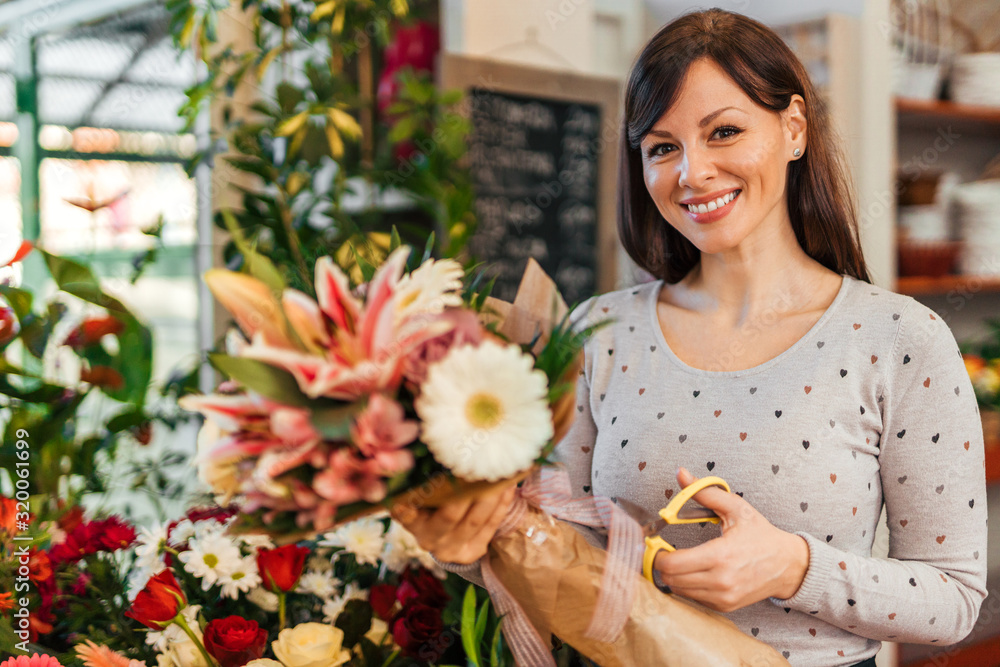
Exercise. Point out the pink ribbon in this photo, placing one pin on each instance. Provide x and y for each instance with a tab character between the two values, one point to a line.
549	490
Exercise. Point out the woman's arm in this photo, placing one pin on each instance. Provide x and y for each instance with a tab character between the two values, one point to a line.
931	587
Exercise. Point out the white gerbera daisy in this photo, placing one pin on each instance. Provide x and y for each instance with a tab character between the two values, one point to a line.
256	541
485	411
333	606
429	289
242	577
321	584
210	558
363	538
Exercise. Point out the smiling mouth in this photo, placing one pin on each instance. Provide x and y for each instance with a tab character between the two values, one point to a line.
714	204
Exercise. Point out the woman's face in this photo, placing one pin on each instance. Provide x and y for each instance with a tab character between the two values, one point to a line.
717	149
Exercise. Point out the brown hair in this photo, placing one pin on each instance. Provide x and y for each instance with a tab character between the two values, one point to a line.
820	200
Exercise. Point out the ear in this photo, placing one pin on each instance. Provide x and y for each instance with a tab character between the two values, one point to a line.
794	118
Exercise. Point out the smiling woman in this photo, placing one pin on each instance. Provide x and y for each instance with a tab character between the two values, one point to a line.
740	104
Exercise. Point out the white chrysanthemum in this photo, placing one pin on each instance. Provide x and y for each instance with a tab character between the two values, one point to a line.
162	640
182	531
363	538
333	606
256	541
402	550
210	558
149	547
319	563
432	287
264	599
321	584
242	577
485	411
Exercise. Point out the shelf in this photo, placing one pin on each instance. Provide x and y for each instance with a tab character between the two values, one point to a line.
930	114
944	285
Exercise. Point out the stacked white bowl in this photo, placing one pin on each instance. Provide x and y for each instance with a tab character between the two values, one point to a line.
975	79
977	206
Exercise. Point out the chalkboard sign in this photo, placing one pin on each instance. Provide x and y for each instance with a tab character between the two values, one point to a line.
542	154
534	165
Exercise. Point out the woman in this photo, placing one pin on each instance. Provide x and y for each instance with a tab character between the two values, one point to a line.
763	355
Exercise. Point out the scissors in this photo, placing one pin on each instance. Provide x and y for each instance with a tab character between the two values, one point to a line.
673	513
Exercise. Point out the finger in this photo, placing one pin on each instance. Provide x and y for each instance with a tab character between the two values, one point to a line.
489	530
483	511
702	558
445	518
725	504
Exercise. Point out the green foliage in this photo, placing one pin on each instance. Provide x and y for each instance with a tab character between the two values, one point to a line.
115	378
316	136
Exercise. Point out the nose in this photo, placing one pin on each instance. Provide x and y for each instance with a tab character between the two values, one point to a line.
695	169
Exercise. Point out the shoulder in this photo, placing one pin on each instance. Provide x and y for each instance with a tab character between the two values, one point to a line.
915	330
615	307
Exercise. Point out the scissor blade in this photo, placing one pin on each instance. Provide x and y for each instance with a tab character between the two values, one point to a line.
650	522
696	512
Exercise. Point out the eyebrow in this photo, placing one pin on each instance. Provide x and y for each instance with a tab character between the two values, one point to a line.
702	123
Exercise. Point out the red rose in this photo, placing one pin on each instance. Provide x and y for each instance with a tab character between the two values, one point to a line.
234	641
158	603
416	630
9	326
382	598
281	568
420	585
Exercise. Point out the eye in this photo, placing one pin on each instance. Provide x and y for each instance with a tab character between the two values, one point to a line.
727	131
655	150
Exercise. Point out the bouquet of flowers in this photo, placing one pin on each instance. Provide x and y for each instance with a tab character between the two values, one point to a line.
192	594
416	387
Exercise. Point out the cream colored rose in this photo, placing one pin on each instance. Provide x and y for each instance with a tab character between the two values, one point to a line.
182	653
263	662
311	645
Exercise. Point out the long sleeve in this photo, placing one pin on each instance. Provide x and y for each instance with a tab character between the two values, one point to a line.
931	461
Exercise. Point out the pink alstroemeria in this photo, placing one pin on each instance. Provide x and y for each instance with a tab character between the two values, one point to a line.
381	433
342	347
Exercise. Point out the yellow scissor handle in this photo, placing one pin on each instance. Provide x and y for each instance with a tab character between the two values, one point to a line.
669	513
654	545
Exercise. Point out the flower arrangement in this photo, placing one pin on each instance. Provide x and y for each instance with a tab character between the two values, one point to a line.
407	387
192	594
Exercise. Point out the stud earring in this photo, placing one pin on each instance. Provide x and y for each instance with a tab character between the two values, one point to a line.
797	152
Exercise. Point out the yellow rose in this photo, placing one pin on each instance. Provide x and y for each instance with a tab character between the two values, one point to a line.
311	645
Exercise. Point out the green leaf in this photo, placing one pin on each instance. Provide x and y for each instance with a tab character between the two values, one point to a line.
484	612
335	423
76	279
267	380
355	621
468	622
402	130
394	240
126	420
258	266
496	646
20	300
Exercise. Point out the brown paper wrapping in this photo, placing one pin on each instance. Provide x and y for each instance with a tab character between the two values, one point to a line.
555	575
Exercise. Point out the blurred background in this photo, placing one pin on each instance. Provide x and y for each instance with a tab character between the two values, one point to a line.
146	140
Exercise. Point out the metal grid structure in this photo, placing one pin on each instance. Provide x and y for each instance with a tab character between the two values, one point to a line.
87	64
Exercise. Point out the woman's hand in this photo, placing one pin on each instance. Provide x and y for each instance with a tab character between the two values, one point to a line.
460	530
751	561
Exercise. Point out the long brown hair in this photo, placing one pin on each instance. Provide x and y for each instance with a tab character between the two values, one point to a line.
820	199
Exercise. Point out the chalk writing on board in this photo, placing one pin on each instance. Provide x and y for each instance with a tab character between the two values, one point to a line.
535	167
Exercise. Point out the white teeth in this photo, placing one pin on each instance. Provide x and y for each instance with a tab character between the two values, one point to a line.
712	205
